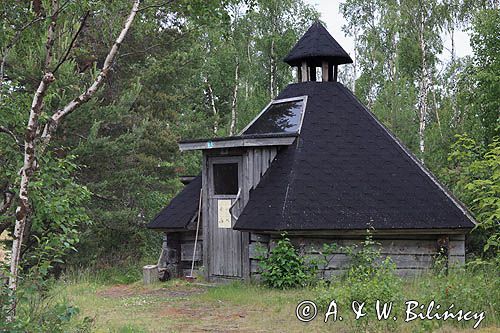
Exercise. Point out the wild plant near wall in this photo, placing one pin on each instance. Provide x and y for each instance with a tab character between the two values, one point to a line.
285	268
474	174
369	278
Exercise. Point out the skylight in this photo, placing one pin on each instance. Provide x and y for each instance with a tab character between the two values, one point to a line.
281	116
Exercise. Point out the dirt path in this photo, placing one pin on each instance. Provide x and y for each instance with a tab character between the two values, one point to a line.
178	306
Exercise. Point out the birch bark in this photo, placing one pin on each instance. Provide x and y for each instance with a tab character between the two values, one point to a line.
31	135
232	128
423	85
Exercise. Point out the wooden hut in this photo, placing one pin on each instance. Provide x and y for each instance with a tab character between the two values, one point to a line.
317	164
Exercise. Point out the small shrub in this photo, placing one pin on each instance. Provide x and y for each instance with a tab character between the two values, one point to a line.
285	268
369	278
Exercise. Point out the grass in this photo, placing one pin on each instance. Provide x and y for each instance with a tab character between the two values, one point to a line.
180	306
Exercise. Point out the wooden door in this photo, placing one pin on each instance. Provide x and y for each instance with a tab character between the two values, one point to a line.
225	244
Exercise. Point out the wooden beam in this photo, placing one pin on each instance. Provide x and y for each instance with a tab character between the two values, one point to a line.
324	70
304	72
207	145
361	232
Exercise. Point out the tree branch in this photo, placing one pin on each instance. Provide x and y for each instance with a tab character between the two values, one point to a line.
70	47
51	35
11	134
57	117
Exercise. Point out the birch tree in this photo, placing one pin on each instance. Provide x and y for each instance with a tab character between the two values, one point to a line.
37	140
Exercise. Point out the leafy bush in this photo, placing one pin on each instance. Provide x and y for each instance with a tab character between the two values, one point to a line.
285	268
369	278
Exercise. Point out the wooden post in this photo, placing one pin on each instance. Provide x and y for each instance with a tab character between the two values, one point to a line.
304	73
335	73
325	71
168	263
299	74
312	73
330	72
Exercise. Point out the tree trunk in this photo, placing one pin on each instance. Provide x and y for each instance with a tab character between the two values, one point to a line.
355	64
214	108
232	128
454	104
30	151
272	72
424	85
27	171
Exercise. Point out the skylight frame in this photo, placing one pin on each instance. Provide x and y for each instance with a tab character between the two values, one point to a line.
279	101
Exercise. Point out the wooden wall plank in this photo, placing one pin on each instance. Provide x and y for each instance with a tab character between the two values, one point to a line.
395	246
187	251
254	250
254	266
456	247
259	238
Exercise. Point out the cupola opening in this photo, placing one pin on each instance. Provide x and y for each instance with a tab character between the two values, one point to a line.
317	49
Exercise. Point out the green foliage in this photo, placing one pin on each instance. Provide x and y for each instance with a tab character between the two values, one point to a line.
369	278
475	286
284	268
107	273
481	79
38	311
474	174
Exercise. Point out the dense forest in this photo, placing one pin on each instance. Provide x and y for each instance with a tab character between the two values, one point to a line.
86	183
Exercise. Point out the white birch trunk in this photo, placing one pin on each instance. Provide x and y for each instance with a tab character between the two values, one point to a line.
29	166
214	108
27	171
424	86
232	128
272	72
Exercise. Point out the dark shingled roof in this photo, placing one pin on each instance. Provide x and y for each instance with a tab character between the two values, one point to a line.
181	209
346	171
317	44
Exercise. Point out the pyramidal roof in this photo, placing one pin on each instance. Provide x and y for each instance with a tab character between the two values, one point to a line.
346	171
317	44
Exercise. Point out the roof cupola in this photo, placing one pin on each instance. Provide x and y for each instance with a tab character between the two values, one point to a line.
317	48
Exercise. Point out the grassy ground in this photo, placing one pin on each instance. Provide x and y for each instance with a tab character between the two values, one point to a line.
179	306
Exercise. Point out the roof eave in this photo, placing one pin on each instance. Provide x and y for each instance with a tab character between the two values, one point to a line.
318	59
359	232
235	142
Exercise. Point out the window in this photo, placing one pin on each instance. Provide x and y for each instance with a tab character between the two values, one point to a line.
279	117
225	177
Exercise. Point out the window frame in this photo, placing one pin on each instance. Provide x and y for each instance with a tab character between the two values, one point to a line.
223	160
279	101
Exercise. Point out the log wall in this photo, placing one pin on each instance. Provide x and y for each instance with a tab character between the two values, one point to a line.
177	253
412	254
